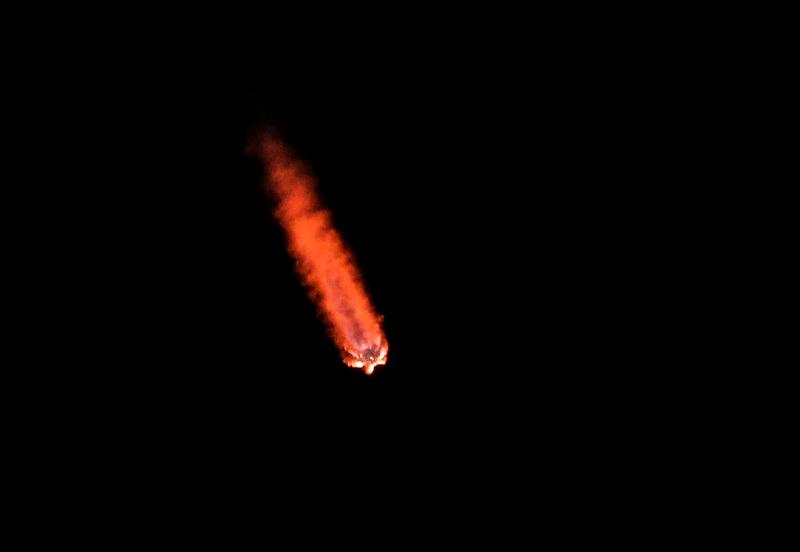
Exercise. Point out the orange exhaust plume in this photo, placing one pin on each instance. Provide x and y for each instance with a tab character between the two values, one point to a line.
323	260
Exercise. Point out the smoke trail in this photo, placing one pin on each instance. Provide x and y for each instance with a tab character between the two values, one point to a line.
323	261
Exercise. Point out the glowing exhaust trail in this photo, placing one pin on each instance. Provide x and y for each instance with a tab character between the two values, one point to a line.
323	261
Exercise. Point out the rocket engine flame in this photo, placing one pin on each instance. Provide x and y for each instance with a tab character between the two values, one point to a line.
323	261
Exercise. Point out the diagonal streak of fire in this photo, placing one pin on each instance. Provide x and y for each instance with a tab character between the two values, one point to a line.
324	262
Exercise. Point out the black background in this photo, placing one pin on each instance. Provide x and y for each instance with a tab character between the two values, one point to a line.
552	212
526	215
514	231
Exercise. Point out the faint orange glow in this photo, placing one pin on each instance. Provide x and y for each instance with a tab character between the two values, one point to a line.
323	260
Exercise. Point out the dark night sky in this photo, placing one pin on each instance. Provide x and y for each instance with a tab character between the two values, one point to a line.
525	217
510	229
551	211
